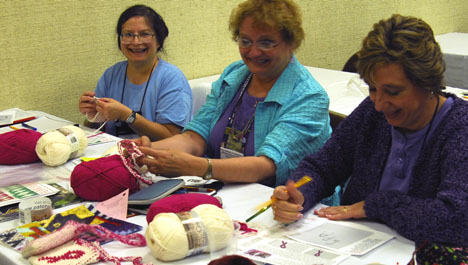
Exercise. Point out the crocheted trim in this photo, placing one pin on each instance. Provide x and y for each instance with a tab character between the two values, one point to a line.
129	153
78	251
71	230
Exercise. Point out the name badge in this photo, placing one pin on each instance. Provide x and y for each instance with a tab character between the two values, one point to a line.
228	153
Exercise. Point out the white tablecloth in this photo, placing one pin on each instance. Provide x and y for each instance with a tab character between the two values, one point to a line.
455	53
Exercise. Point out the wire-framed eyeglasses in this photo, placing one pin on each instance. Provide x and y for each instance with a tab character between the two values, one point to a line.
143	37
264	45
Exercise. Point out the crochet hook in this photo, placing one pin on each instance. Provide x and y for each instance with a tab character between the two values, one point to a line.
266	205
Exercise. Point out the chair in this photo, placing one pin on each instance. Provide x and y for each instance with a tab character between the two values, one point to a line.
201	87
335	118
350	65
335	198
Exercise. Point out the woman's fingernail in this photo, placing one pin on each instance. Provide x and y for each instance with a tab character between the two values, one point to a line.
301	208
299	216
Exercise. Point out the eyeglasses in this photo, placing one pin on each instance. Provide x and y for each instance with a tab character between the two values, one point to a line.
264	45
143	37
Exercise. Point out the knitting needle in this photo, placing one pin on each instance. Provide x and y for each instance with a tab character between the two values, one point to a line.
266	205
25	125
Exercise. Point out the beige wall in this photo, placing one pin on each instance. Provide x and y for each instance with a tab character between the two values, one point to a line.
54	50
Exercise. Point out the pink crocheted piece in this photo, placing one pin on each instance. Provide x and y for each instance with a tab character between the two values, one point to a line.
55	248
79	252
129	159
246	229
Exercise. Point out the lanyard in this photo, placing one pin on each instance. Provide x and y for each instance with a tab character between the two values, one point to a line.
123	128
230	131
241	94
146	87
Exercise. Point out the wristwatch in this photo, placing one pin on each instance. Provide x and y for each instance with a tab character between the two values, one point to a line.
131	119
209	171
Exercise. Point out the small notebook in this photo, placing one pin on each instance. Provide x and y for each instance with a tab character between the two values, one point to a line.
155	192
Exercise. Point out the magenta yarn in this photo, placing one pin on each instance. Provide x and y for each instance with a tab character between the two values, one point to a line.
180	203
101	179
19	147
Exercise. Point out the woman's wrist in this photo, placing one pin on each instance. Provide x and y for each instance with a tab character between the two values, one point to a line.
209	170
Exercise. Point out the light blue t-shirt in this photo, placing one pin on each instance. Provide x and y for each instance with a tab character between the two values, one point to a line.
168	97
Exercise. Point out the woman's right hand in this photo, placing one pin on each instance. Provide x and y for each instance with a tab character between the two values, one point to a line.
288	203
87	104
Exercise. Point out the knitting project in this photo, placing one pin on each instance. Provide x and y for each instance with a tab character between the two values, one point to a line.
79	252
63	246
129	160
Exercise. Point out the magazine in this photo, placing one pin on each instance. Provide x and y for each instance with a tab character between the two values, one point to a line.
15	193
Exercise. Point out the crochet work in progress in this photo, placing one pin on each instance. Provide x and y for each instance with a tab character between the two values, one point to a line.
63	246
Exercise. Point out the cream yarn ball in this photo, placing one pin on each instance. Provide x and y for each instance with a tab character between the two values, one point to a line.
167	237
55	147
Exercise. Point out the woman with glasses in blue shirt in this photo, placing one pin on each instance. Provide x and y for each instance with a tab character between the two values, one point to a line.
263	114
143	95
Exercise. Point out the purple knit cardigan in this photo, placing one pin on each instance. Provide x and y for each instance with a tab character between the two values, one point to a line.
436	205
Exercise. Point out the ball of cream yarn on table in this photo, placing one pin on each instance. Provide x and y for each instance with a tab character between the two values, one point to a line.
167	239
55	148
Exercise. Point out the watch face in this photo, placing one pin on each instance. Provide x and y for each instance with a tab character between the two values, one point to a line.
131	118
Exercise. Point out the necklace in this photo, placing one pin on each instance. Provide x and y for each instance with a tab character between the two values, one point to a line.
146	87
430	123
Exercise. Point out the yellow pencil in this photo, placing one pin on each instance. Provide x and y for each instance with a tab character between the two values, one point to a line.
264	206
14	128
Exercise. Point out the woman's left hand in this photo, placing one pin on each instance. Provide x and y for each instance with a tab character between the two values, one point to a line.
342	212
112	109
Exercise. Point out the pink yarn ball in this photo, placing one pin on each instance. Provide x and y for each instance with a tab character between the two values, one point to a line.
19	147
101	179
180	203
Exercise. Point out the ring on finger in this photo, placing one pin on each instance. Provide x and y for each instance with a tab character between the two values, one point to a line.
345	209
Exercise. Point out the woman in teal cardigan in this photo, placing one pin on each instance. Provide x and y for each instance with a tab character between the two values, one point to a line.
263	115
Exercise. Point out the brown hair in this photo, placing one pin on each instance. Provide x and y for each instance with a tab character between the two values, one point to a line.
283	15
407	41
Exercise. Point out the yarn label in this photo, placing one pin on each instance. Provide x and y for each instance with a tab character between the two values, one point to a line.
72	139
195	231
34	209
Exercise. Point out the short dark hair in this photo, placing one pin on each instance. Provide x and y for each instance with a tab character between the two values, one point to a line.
155	21
409	42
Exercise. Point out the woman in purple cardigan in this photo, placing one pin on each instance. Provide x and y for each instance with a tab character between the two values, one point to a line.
404	150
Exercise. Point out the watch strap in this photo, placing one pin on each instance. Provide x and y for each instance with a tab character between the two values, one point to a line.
131	119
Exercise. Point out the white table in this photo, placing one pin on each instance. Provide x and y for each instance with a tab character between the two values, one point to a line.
454	47
344	95
238	201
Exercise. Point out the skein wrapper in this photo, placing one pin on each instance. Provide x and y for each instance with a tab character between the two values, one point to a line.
180	203
56	147
172	236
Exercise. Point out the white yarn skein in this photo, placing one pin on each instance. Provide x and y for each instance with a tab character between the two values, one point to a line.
167	239
54	148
